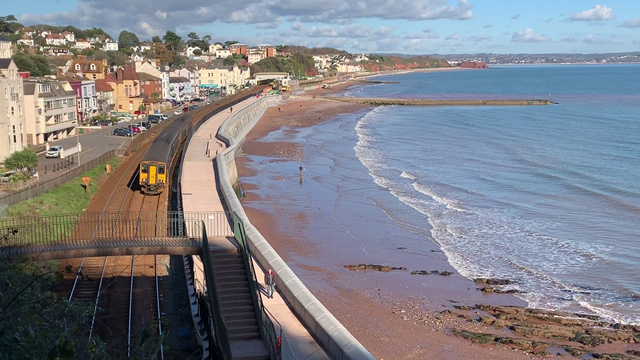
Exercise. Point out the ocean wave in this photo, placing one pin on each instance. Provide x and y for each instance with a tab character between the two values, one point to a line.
407	175
449	203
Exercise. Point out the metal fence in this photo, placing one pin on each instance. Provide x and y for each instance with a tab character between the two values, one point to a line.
94	230
45	186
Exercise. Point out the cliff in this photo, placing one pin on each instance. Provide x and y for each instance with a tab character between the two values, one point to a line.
474	65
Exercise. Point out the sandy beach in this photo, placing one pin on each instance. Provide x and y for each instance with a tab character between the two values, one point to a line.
394	314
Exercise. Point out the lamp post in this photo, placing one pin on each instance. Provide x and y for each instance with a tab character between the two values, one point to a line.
79	146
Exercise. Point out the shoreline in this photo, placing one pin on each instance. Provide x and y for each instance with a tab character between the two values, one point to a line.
388	323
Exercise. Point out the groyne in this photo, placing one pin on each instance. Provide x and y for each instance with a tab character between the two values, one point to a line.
329	332
438	102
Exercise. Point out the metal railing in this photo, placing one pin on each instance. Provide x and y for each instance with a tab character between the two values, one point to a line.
45	186
267	329
221	335
105	230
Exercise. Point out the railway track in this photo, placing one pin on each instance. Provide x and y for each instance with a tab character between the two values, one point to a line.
126	291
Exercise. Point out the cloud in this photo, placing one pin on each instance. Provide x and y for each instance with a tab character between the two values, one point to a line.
631	23
596	13
322	31
596	40
161	14
267	26
454	36
573	39
478	39
488	26
515	17
528	36
298	26
636	41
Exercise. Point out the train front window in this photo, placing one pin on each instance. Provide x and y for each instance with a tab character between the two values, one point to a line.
144	168
161	169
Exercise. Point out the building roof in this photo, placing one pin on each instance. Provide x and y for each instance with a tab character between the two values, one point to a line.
57	90
103	86
178	80
4	63
29	88
149	77
2	38
85	66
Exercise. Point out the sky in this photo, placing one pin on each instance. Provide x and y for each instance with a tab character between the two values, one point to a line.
364	26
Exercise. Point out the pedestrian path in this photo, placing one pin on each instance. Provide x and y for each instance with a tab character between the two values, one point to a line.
200	194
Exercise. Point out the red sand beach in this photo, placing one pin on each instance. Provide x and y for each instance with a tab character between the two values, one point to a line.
390	322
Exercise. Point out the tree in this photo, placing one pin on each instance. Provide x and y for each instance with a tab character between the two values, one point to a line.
22	161
100	55
172	41
9	24
162	53
197	52
156	39
229	61
193	37
155	95
206	38
117	58
37	65
229	43
128	39
177	59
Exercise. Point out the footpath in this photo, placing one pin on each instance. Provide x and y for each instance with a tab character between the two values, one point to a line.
200	194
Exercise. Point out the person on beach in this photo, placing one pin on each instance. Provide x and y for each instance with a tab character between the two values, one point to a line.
270	283
231	109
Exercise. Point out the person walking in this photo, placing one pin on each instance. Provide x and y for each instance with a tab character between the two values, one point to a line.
270	283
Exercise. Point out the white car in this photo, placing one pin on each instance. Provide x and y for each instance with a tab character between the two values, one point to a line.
164	117
53	152
139	126
177	112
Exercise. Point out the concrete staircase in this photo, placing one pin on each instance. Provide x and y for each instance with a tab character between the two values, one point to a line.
236	305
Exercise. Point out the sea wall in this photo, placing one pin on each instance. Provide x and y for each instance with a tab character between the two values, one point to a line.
334	337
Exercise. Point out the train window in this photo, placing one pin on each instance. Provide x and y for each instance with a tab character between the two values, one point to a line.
144	168
160	169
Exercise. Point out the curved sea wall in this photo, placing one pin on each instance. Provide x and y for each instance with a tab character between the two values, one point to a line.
334	337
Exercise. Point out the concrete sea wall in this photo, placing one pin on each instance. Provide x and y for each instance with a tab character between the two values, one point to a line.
334	337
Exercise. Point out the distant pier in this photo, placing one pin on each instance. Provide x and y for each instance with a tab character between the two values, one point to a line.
437	102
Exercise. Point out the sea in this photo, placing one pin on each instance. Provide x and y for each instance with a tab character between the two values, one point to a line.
547	197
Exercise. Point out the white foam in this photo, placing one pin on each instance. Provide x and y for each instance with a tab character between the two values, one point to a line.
407	175
449	203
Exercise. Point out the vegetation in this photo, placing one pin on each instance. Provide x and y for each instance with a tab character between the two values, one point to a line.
127	39
297	65
69	198
194	40
9	24
172	41
22	161
313	51
36	64
383	62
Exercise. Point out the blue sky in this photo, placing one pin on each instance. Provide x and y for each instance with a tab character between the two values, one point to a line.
400	26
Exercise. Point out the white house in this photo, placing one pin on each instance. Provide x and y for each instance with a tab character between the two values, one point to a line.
222	53
110	45
56	40
69	36
82	44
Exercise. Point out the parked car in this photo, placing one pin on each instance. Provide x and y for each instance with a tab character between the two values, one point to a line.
139	126
146	124
134	129
177	112
104	123
164	117
53	152
185	109
122	132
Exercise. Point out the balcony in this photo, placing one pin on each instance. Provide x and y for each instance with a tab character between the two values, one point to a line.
61	126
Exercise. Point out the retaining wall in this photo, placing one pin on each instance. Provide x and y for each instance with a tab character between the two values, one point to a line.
334	337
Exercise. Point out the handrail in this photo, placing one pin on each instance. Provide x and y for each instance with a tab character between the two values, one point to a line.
266	335
221	334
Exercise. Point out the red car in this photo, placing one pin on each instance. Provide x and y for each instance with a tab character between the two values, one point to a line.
135	129
185	109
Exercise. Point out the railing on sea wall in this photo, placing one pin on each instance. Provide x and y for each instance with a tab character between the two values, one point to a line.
330	333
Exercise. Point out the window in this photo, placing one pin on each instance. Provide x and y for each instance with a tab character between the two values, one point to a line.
72	116
70	102
13	113
144	168
58	118
93	76
77	66
160	169
93	67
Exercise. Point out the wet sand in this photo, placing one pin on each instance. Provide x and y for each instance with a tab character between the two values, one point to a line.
395	315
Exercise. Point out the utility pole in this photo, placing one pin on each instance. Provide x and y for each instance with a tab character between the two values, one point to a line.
79	146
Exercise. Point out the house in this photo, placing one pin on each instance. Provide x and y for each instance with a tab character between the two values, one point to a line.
68	36
12	119
56	39
260	52
136	57
238	48
110	45
82	44
6	51
222	53
25	40
104	96
85	90
59	52
26	31
151	86
192	75
226	78
179	88
148	68
44	33
142	47
59	64
90	69
50	111
126	84
213	47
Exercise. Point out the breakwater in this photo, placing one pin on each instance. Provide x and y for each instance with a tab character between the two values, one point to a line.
438	102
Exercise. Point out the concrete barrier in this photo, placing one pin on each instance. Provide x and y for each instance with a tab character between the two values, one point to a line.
334	337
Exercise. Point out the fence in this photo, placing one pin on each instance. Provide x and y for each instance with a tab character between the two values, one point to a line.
45	186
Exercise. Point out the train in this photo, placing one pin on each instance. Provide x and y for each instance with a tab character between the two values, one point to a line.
155	167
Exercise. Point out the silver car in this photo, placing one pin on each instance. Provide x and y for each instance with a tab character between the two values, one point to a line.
53	152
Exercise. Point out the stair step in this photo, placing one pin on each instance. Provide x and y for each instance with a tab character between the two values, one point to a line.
232	286
227	297
242	329
237	309
240	317
228	268
242	322
225	279
246	336
236	302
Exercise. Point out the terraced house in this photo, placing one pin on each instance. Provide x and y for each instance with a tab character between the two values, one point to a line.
12	118
50	111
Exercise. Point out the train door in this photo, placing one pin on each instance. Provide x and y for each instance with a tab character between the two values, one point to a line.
153	174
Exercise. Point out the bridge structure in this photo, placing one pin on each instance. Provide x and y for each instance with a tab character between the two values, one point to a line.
66	236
